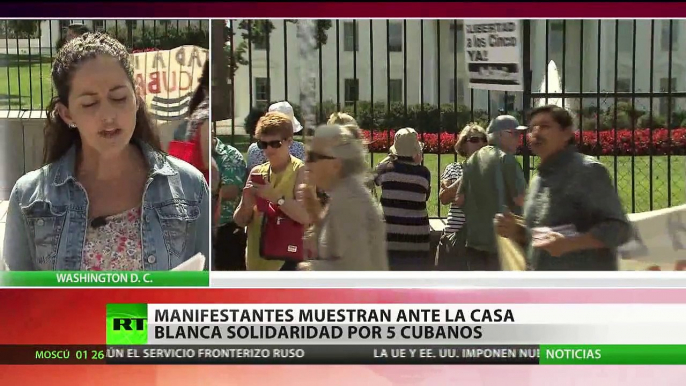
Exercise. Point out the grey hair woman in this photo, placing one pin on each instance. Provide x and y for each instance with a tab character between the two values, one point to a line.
342	119
350	233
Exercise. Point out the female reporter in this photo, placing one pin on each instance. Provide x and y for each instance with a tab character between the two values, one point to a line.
107	197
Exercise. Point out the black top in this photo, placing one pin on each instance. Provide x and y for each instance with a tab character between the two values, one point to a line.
572	188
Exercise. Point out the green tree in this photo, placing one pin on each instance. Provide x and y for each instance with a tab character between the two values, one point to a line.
22	29
222	96
159	37
253	31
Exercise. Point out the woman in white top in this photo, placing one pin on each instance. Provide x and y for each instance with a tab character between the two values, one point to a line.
350	234
451	246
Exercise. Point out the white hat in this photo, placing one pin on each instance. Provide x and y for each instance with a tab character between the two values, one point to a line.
406	143
286	108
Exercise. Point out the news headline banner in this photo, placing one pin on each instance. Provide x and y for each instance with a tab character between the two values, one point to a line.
399	324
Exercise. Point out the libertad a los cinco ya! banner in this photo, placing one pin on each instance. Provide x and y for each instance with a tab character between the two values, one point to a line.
167	79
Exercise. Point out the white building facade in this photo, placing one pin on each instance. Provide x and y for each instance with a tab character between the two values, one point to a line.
372	51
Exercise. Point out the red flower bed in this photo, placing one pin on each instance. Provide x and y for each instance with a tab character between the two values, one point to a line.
627	142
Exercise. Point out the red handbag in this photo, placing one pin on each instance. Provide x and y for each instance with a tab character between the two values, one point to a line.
190	152
281	238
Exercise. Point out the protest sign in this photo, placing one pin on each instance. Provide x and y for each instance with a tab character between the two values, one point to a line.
658	244
659	241
168	78
493	53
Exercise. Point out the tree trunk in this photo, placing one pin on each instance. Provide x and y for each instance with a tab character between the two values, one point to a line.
222	98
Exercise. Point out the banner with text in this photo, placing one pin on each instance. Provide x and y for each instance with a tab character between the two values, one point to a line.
168	78
388	333
493	53
659	241
308	324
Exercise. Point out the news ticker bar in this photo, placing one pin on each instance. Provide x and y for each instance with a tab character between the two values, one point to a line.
105	279
346	354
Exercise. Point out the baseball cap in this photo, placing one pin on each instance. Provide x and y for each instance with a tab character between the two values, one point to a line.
406	143
286	108
504	123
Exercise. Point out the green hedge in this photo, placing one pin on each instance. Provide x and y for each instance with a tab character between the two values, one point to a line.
424	118
627	117
427	118
157	37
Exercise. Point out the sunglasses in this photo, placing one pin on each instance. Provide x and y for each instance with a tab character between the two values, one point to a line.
273	144
314	157
476	139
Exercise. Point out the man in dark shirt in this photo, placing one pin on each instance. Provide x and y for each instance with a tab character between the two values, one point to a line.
573	217
492	179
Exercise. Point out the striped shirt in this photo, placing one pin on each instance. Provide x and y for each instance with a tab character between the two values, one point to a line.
405	188
456	219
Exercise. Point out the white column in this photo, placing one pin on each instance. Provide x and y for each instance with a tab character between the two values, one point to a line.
430	60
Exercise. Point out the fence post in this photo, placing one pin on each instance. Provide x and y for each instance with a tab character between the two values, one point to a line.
221	98
526	98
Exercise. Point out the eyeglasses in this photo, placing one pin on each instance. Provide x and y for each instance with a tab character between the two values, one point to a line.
477	139
273	144
314	157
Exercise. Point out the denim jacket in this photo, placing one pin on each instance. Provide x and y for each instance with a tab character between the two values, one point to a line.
47	218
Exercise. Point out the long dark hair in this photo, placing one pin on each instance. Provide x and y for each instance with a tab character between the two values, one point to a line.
199	94
59	138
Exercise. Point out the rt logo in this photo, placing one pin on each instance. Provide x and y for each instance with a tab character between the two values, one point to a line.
128	324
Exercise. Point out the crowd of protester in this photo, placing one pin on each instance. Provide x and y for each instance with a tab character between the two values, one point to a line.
319	206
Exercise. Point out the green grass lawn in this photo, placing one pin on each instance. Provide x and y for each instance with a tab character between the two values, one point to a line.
635	192
25	82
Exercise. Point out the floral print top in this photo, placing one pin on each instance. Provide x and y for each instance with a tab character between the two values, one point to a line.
231	165
115	246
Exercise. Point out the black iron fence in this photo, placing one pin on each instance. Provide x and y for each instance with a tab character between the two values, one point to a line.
27	48
623	79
